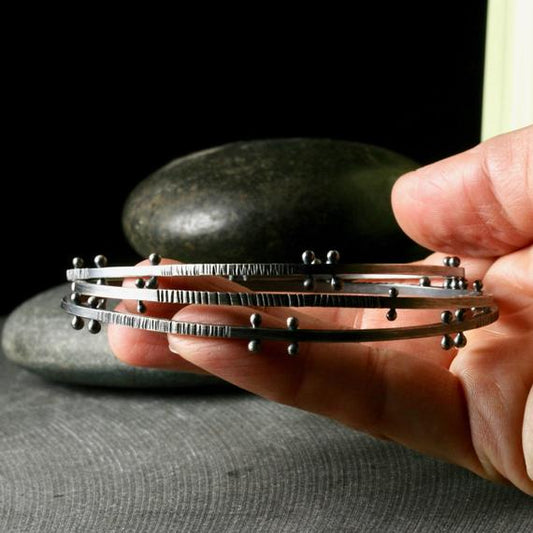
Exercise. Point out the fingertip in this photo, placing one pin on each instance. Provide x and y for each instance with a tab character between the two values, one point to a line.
433	205
409	206
476	203
401	195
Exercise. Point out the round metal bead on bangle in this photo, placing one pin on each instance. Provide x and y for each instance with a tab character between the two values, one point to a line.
77	323
140	284
424	282
333	257
451	262
292	324
100	261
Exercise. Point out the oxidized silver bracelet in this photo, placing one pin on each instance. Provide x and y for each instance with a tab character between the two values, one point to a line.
312	283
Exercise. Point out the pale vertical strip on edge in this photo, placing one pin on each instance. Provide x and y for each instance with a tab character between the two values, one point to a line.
508	75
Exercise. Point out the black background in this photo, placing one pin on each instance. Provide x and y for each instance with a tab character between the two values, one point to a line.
98	101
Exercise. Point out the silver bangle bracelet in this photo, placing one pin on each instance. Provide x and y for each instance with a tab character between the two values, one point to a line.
310	284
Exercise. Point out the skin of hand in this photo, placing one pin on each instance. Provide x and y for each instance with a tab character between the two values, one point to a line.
472	407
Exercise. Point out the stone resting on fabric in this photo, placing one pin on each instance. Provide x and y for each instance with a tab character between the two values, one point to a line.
312	283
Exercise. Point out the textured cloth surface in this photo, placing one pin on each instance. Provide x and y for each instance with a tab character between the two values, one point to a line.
76	459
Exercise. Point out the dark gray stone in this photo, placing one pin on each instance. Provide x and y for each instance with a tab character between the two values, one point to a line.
78	459
270	200
38	336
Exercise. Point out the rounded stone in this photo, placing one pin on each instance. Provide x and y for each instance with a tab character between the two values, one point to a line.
269	200
38	336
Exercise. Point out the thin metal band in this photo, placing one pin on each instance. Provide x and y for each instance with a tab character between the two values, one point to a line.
269	270
264	285
422	297
477	319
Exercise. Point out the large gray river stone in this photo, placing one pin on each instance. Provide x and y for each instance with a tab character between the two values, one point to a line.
269	200
38	336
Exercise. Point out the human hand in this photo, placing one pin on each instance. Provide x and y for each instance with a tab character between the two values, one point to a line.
473	407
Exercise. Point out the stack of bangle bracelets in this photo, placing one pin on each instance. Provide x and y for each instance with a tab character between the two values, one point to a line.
312	283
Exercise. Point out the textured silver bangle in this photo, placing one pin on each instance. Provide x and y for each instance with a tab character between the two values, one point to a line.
311	283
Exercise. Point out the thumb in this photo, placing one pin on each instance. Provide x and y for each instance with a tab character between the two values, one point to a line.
478	203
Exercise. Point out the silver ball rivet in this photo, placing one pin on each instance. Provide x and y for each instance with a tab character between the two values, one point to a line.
460	340
293	348
254	346
100	261
316	261
477	285
393	292
333	257
392	315
92	301
141	307
94	326
151	283
446	342
308	257
454	262
424	282
292	322
460	315
77	323
336	284
255	320
139	283
309	284
77	262
75	298
446	317
154	259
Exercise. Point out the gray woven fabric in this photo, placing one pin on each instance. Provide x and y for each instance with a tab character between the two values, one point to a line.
75	459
